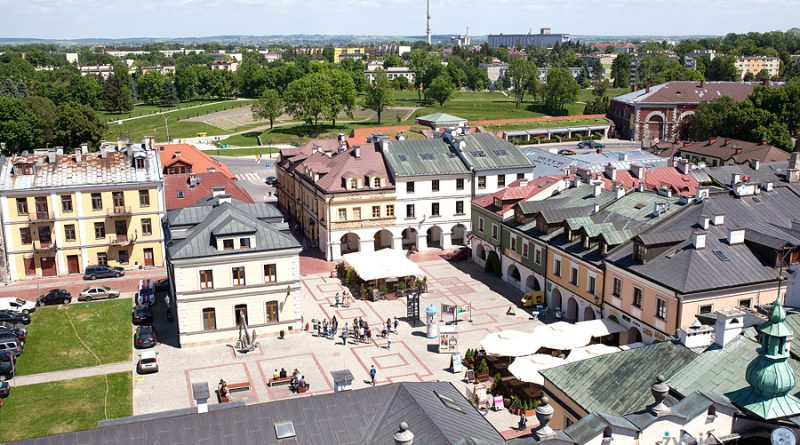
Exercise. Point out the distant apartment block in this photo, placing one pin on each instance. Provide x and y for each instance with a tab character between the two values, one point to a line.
543	39
755	64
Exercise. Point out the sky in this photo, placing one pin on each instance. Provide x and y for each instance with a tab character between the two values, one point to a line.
71	19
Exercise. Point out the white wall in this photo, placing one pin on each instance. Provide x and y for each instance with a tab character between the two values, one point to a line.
492	179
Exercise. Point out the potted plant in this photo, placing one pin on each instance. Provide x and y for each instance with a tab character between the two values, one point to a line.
506	401
530	408
497	385
483	371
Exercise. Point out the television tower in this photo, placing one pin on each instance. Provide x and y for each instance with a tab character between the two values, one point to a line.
429	22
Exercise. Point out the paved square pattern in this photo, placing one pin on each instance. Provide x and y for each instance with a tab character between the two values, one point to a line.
413	357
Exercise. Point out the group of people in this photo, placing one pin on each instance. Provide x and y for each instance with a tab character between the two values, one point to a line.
343	300
359	330
297	380
325	328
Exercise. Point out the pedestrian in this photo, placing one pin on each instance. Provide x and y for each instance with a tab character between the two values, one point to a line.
372	373
361	334
335	323
396	324
337	299
369	335
389	340
344	336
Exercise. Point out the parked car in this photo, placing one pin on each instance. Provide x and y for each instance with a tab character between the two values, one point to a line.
271	180
95	272
55	296
145	337
565	152
17	305
10	345
460	254
18	329
590	144
142	314
146	295
97	293
148	362
15	317
6	335
7	367
5	389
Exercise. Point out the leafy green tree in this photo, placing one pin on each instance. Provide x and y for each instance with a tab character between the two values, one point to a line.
739	120
187	82
560	89
116	97
621	71
379	94
598	71
392	60
149	87
251	77
722	68
763	75
269	106
9	88
46	111
20	128
169	95
441	89
523	74
308	98
77	124
477	79
401	83
749	77
343	93
327	53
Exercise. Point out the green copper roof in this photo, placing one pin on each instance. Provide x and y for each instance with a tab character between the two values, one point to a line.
776	325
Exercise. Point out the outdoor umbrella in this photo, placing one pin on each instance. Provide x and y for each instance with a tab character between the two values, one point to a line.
527	368
561	336
509	343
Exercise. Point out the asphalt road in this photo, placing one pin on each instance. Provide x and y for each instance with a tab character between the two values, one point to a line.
251	176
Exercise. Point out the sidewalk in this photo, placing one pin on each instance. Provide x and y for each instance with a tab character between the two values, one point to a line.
31	289
70	374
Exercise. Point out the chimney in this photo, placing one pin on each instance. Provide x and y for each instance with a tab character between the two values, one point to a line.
767	186
728	326
735	236
51	156
103	152
697	335
796	225
738	150
544	414
618	189
646	88
755	164
659	389
596	208
403	436
385	146
704	221
217	191
702	83
357	152
611	172
637	171
523	182
640	187
340	138
598	189
201	394
683	166
735	178
633	88
79	156
718	220
699	240
727	141
766	82
85	149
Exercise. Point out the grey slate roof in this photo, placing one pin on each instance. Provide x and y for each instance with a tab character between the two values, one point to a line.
485	151
405	158
195	215
687	408
227	219
774	172
618	383
548	164
366	416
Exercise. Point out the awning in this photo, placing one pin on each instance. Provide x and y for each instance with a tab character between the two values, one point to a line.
601	327
385	263
509	344
591	351
527	368
561	336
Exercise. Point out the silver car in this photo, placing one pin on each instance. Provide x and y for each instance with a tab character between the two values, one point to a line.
97	293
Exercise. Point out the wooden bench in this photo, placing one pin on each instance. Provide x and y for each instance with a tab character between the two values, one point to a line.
302	389
279	381
235	387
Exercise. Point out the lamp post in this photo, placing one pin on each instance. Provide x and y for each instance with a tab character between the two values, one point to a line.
167	127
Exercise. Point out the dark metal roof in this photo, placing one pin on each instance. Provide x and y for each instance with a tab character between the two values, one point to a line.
405	158
485	151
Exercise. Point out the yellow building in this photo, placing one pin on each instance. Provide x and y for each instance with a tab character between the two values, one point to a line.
343	53
62	213
755	64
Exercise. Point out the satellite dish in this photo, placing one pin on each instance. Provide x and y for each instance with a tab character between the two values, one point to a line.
782	436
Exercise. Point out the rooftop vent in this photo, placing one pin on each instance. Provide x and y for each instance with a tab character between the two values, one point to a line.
735	236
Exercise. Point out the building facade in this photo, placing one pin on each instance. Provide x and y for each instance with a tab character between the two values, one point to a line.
63	212
755	64
544	39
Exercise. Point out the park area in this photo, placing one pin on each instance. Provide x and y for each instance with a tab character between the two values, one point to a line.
77	336
65	406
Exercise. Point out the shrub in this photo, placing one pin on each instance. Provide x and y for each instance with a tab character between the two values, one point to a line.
483	368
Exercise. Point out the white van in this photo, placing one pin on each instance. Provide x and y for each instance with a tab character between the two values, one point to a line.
17	305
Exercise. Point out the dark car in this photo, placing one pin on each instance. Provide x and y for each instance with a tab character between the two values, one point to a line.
565	152
145	337
19	330
95	272
463	253
14	317
590	144
271	180
55	296
6	366
6	335
142	314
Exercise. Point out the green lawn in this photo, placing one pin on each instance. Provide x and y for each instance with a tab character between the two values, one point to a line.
546	124
105	326
469	105
64	406
143	110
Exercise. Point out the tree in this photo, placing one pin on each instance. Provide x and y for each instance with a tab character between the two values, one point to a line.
763	75
186	82
441	89
739	120
269	106
327	53
46	111
598	70
343	93
392	60
722	68
560	89
20	128
307	98
523	74
600	103
379	94
149	87
621	71
116	97
401	83
169	95
77	124
749	77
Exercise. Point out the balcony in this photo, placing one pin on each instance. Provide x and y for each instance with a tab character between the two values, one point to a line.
120	211
122	239
40	217
40	246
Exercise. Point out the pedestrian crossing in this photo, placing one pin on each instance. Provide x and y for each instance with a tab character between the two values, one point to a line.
254	178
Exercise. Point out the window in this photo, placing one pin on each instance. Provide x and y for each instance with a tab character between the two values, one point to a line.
144	198
494	231
410	187
661	309
357	213
25	235
139	163
434	209
501	180
525	251
390	210
270	273
353	183
102	258
637	297
227	244
237	275
557	267
520	175
124	256
573	276
97	201
617	288
745	303
409	210
272	311
481	182
66	203
207	279
240	313
99	230
147	227
537	256
22	206
706	308
514	243
118	198
209	319
459	207
592	285
342	214
376	211
480	224
180	194
460	184
435	185
69	232
376	183
244	243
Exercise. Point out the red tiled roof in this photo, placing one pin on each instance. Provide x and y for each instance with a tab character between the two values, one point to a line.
514	193
344	165
359	135
190	155
655	178
726	148
693	92
173	183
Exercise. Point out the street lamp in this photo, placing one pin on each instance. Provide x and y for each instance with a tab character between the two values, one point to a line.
167	126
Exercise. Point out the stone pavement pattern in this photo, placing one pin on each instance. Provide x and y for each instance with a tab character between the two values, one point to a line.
412	357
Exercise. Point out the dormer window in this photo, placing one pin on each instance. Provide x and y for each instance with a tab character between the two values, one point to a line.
498	202
354	183
244	243
23	168
227	244
376	182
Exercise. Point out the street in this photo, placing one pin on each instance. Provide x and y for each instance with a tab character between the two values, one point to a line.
250	176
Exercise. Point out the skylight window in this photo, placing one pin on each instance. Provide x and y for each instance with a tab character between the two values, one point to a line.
403	158
284	430
721	255
427	156
501	152
450	403
479	154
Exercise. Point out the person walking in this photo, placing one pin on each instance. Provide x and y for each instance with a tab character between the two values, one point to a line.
344	336
372	373
389	336
396	324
